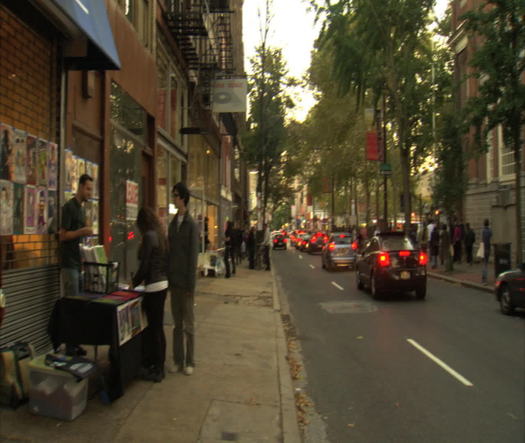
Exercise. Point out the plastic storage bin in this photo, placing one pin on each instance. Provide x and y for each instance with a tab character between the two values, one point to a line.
55	393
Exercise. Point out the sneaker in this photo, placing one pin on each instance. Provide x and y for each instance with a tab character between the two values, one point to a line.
173	368
188	370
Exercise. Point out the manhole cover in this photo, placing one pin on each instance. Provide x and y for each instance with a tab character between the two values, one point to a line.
348	307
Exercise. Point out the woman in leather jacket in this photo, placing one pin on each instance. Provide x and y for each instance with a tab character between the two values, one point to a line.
152	272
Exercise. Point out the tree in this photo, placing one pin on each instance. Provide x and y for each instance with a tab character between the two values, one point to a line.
499	63
384	46
264	143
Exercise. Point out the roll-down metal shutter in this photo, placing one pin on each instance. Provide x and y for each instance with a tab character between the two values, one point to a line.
30	296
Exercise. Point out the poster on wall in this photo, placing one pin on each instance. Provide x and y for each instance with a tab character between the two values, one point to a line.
95	180
132	200
74	174
41	210
31	159
18	209
69	169
29	210
52	166
19	157
6	148
81	166
6	207
41	169
52	212
94	214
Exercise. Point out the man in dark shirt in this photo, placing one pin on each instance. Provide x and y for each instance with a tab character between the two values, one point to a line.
72	229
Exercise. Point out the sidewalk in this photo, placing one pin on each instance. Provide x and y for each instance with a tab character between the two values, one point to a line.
241	389
466	275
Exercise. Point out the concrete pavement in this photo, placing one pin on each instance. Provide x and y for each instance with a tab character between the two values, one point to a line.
241	389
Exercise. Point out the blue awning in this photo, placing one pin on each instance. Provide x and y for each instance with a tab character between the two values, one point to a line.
91	18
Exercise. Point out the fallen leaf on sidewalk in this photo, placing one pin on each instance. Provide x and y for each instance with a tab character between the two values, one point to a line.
360	337
350	425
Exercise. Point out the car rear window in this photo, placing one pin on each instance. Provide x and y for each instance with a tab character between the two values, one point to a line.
396	243
342	239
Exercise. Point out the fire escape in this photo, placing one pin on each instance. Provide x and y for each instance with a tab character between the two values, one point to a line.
202	30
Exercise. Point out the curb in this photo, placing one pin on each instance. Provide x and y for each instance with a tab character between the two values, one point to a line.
461	282
290	426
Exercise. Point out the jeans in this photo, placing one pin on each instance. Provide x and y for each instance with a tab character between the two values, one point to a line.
184	329
154	340
229	260
71	282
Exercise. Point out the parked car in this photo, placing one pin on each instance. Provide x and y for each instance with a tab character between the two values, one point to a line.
316	242
391	262
339	251
510	290
279	241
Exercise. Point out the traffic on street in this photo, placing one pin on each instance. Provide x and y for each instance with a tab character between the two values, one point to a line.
398	368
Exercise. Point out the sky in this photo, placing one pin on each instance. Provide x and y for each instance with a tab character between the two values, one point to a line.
292	29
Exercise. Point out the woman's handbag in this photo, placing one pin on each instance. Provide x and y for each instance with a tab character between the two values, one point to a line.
481	251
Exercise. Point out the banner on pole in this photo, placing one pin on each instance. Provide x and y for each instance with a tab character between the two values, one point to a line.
372	148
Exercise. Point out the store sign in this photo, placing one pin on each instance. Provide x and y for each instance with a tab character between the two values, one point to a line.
229	95
132	200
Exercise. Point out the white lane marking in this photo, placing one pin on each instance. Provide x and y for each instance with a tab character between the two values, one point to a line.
440	363
337	286
301	257
312	266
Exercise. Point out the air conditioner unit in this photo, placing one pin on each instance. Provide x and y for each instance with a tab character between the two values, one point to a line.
504	197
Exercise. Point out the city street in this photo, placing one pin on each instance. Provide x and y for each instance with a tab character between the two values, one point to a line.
450	368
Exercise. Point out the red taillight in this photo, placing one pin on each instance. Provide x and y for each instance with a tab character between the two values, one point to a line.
313	239
325	239
131	235
404	253
286	240
342	236
331	246
275	240
423	258
383	259
354	245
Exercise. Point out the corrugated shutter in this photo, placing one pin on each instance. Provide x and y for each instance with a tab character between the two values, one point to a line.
30	296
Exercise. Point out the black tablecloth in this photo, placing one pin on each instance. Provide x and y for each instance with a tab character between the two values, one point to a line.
84	321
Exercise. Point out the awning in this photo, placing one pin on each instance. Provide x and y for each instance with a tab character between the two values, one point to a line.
92	46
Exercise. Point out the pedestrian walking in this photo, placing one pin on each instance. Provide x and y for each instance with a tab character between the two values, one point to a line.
267	242
434	247
456	242
183	237
72	229
229	256
486	237
251	247
470	239
152	272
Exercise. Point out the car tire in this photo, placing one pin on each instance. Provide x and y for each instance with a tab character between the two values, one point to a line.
376	293
358	281
421	292
505	304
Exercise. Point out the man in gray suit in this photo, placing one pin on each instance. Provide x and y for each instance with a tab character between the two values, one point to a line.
183	238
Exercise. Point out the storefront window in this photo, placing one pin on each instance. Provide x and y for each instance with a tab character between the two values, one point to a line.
128	138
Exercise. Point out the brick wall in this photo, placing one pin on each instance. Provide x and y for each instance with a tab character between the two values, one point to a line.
28	81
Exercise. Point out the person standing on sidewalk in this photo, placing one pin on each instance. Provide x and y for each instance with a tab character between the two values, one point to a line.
183	246
434	247
152	271
229	257
251	246
486	237
267	242
470	239
72	229
456	242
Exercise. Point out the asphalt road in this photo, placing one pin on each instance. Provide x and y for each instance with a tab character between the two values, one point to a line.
447	369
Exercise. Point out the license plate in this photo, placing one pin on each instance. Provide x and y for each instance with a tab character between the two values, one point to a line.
405	275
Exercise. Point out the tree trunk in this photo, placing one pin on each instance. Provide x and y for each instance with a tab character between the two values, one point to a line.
405	172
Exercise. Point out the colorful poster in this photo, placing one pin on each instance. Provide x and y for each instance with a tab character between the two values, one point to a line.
31	159
81	165
41	174
89	168
74	174
19	157
95	180
6	207
30	210
52	166
6	151
41	210
18	209
69	169
132	200
52	218
91	207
